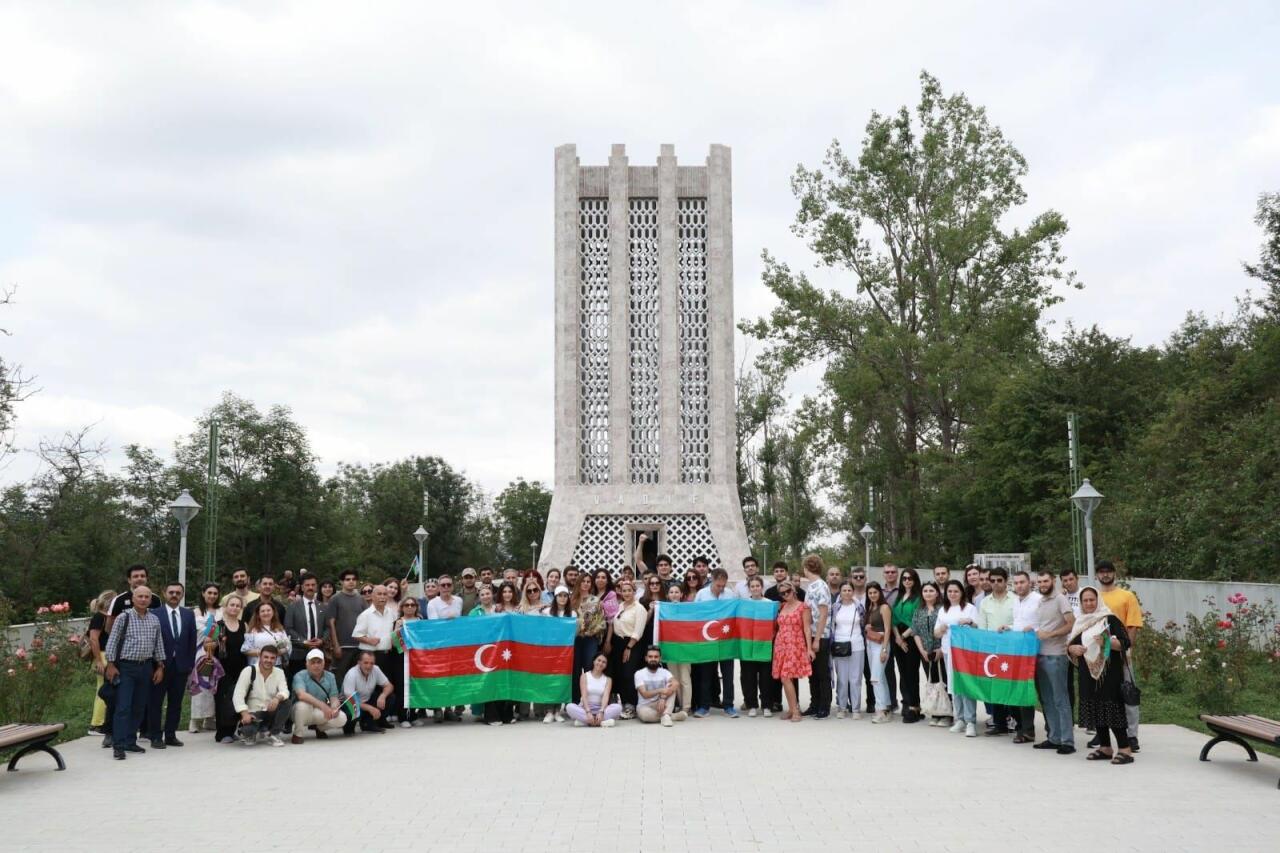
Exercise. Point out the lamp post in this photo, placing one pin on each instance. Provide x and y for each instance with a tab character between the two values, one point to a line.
533	549
867	532
184	508
421	535
1086	500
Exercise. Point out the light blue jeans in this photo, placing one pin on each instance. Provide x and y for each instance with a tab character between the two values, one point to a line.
879	686
966	706
1052	672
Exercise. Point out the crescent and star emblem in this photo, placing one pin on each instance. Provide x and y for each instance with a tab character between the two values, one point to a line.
986	666
706	629
480	654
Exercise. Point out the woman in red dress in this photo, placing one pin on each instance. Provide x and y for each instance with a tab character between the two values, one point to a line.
792	651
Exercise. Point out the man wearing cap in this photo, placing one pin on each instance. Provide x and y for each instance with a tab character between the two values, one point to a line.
470	594
316	700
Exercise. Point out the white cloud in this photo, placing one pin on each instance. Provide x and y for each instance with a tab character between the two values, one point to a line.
349	212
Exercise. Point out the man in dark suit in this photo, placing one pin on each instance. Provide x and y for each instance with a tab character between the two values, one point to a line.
178	630
306	623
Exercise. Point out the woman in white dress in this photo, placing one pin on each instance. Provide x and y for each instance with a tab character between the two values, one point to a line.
207	613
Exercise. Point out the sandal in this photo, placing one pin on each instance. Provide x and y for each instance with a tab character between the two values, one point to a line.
1098	755
1121	758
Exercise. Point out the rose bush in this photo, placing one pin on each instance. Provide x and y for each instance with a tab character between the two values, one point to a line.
34	677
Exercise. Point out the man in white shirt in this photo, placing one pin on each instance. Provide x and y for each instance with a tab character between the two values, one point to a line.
375	629
261	698
1071	590
751	569
1026	606
362	683
713	694
446	605
656	690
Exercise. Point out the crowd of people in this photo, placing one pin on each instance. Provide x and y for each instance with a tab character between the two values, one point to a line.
279	659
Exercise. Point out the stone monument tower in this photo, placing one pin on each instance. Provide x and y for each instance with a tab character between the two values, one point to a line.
645	419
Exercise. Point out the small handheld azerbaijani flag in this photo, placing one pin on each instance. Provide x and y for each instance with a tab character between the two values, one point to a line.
350	706
706	631
509	656
996	667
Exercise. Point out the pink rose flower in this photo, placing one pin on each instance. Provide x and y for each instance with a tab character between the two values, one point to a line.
40	611
21	653
53	658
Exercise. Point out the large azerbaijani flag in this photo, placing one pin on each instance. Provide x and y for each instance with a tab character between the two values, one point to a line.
995	667
507	656
725	629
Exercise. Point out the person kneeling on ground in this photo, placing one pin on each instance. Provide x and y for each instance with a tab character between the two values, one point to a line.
261	695
317	700
656	689
361	682
596	687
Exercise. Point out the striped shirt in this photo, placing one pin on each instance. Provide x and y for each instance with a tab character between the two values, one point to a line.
135	638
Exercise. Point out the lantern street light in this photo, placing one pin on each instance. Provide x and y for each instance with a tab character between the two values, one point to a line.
868	532
533	549
1086	500
184	508
421	535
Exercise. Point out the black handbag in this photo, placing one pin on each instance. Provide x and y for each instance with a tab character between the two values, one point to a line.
842	649
1129	691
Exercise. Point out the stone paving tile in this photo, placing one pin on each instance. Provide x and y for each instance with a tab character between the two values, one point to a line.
706	785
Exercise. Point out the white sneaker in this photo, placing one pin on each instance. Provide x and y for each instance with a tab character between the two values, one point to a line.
752	712
768	713
856	715
405	724
608	724
880	717
272	740
578	724
559	717
495	723
970	730
666	719
840	715
420	722
549	717
958	727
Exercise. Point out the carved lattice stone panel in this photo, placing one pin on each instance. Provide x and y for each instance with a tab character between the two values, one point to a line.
603	541
695	412
642	338
593	341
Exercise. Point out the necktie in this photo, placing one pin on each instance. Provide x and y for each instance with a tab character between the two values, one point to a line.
173	616
311	620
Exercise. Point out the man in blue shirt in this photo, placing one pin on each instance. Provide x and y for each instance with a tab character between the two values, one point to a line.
316	700
135	660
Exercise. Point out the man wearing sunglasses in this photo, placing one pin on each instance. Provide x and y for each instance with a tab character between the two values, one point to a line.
446	605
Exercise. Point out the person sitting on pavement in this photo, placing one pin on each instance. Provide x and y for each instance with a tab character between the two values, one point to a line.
317	702
656	691
596	687
261	697
362	681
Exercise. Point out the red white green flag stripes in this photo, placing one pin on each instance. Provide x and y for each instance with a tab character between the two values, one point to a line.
995	667
487	658
726	629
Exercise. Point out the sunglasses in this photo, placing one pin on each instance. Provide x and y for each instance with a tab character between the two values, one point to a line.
368	590
786	592
413	605
446	585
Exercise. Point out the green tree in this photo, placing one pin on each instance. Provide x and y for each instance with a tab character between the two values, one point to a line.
520	513
942	299
269	488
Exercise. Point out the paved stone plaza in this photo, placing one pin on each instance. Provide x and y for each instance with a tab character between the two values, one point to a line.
716	784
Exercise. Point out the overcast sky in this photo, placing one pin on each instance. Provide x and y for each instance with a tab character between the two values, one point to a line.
347	208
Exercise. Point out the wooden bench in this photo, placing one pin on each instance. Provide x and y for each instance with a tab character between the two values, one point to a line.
1236	728
31	738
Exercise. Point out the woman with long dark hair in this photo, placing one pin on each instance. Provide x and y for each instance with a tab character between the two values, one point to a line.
930	649
957	610
591	628
327	589
878	631
595	688
604	591
905	653
203	703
